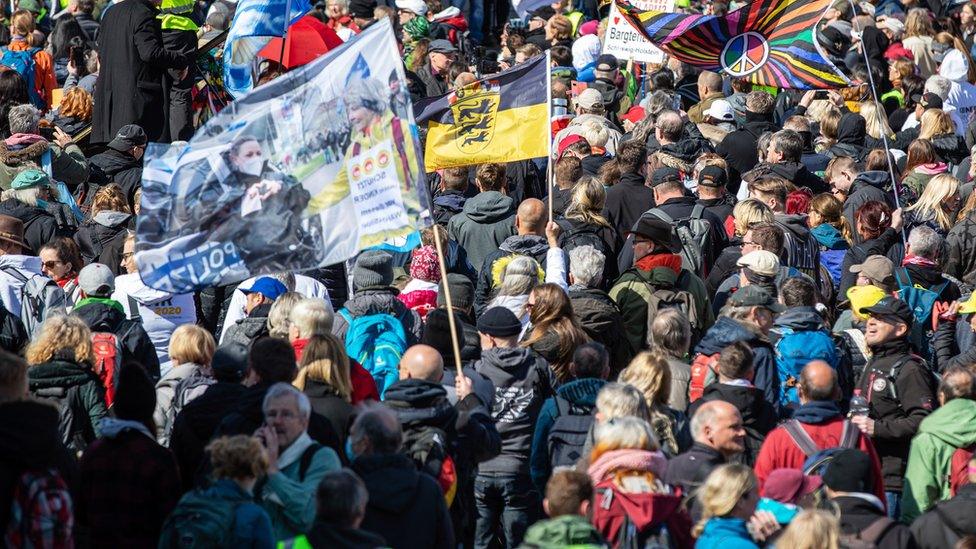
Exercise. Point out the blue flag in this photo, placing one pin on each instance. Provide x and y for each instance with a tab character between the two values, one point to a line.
255	23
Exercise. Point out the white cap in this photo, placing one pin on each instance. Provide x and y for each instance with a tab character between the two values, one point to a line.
892	24
760	262
415	6
720	109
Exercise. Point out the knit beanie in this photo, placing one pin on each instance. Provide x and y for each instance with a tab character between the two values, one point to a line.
424	265
462	292
135	395
374	269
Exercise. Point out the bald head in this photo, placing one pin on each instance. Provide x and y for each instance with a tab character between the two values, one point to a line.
711	81
422	362
718	424
531	217
464	79
709	414
818	381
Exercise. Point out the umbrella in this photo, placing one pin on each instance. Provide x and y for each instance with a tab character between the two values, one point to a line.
307	39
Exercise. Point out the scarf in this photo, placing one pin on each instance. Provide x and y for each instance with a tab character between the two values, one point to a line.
294	451
23	139
653	261
111	427
912	259
632	459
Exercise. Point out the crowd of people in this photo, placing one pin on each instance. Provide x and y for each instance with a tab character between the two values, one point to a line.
718	315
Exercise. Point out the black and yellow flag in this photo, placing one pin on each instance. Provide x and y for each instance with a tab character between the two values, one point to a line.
500	118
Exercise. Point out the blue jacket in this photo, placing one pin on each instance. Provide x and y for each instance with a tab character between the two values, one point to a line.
725	533
581	392
252	526
726	331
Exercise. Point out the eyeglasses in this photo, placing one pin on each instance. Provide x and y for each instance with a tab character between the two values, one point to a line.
51	264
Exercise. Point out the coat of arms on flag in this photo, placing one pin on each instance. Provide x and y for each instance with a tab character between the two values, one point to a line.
474	110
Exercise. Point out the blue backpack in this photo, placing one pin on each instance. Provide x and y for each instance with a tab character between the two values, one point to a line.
794	350
22	62
921	301
832	261
376	342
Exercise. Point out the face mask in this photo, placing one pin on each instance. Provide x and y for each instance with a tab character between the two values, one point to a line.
253	167
350	453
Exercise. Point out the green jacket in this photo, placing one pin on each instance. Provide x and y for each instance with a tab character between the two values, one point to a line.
290	502
927	474
567	531
633	290
68	165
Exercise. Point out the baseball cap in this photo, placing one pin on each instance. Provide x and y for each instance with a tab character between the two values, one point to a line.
889	306
754	296
269	287
97	280
789	485
665	175
606	62
712	176
657	231
760	262
589	98
442	46
567	141
635	114
130	135
876	267
720	109
415	6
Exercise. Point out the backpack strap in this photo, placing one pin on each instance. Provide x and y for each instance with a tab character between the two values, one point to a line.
892	375
563	407
659	213
800	437
902	278
698	212
133	308
873	533
305	461
14	273
849	435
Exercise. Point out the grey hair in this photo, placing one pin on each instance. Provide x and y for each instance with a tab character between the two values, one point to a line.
925	242
671	332
620	399
341	498
939	85
312	316
27	196
24	119
380	426
704	416
586	265
627	432
280	390
279	317
519	276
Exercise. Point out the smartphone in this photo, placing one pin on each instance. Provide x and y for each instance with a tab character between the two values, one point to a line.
47	132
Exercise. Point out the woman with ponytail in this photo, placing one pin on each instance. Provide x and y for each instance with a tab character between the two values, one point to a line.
22	38
832	231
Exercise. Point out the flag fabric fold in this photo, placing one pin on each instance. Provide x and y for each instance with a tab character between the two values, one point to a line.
255	23
503	117
767	42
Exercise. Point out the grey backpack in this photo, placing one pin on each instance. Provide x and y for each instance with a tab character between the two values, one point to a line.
695	234
40	298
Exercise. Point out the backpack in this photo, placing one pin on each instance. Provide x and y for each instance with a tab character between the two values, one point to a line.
664	295
609	507
428	447
376	342
199	521
921	301
107	358
40	512
832	261
702	375
695	234
817	458
869	537
568	433
40	297
22	62
579	234
794	350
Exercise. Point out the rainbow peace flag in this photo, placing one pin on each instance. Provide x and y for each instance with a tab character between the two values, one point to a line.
768	42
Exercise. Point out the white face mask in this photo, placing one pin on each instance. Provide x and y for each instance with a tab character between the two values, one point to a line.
253	167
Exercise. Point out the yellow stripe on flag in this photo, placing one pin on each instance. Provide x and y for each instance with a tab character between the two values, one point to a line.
518	133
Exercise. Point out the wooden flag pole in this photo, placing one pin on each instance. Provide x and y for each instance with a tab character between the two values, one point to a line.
549	130
447	298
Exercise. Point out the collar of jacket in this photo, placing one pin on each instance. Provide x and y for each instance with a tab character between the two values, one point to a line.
898	346
109	302
816	411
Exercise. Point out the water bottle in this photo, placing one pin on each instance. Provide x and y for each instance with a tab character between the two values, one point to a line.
859	404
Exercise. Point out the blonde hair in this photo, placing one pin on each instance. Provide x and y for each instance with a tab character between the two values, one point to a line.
586	205
78	103
22	23
650	374
811	529
192	344
938	189
110	198
876	123
935	122
623	433
279	317
59	333
312	316
617	399
918	23
238	457
721	492
324	359
750	212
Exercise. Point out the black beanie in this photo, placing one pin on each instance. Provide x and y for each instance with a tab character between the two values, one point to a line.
848	471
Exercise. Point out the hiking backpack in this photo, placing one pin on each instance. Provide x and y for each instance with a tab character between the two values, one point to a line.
702	375
794	350
578	234
41	512
429	448
22	62
376	342
695	234
921	301
608	509
200	521
818	458
568	433
665	296
869	537
107	358
40	298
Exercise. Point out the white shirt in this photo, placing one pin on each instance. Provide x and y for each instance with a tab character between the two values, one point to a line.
305	285
161	312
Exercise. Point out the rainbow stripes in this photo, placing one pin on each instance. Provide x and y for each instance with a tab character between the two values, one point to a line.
768	42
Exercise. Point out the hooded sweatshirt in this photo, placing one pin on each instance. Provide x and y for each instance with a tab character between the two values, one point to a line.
727	331
160	312
961	101
486	220
851	132
867	186
939	435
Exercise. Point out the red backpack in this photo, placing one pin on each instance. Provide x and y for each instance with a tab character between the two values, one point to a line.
702	374
107	354
40	514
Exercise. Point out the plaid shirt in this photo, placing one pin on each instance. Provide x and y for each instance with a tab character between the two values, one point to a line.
129	484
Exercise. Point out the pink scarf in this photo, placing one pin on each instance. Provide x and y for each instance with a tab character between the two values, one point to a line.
628	459
912	259
23	139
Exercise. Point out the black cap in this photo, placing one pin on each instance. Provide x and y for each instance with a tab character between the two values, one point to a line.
606	62
848	471
362	9
544	12
928	100
665	175
891	307
229	362
129	136
754	296
499	322
657	231
712	176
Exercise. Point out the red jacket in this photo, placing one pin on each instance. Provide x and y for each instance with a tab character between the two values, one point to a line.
959	468
363	386
780	452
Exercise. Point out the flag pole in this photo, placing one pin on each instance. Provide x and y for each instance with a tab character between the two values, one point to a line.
549	130
447	298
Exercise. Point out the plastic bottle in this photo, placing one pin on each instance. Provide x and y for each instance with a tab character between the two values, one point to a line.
859	404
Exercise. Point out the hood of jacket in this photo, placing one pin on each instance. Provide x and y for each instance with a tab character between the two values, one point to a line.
724	332
596	311
852	129
800	319
419	402
685	150
137	289
872	178
748	399
100	316
788	170
391	480
829	237
581	391
29	154
724	529
59	372
526	244
564	531
488	207
112	162
757	124
20	210
111	219
451	200
375	301
953	423
795	223
508	362
647	509
816	412
28	433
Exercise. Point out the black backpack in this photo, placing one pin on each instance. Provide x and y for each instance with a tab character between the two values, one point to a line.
433	453
569	432
575	235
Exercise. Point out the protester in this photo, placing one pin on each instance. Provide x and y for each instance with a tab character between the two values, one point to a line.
26	148
568	502
61	261
650	373
191	350
340	508
729	498
950	521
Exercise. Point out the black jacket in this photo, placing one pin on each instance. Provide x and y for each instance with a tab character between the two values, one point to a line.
600	319
856	514
721	207
950	148
433	85
690	469
135	342
683	207
851	132
13	335
129	89
195	426
867	186
953	344
405	506
530	245
326	402
88	25
523	381
446	205
78	394
738	148
759	417
332	536
897	411
606	240
961	244
39	225
949	521
101	239
888	244
627	201
113	166
724	266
